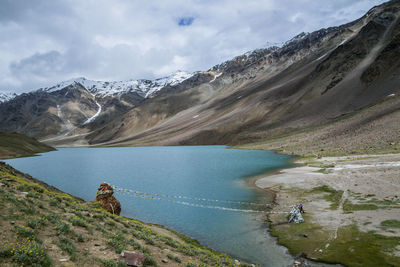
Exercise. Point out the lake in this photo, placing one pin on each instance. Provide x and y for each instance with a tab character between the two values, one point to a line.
210	172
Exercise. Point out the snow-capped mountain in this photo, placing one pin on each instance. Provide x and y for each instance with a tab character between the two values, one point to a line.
144	88
6	96
80	103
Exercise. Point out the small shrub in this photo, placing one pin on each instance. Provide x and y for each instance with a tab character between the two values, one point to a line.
38	189
6	252
99	216
23	188
77	213
76	221
67	245
138	226
99	228
110	222
170	242
149	240
53	203
31	254
63	228
150	261
36	223
80	238
125	223
28	210
117	241
52	217
33	194
173	257
24	231
146	250
135	244
90	231
85	252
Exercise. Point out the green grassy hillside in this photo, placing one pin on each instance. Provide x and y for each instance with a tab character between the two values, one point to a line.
42	226
17	145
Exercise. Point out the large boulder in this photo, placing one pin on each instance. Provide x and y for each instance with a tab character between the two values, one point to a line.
107	200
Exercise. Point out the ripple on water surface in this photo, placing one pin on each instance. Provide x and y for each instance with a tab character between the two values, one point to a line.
212	172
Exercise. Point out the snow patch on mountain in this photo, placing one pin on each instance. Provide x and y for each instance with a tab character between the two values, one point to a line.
4	97
215	77
171	80
145	88
94	116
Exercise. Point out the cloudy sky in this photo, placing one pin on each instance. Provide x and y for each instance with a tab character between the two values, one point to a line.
46	41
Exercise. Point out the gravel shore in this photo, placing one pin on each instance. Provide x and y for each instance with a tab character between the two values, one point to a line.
337	192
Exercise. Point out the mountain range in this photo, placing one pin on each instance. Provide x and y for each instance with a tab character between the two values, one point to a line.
335	89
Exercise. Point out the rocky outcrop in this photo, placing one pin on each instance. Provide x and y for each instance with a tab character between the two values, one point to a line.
107	200
132	258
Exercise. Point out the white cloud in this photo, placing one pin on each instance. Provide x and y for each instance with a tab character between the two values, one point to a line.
43	42
177	63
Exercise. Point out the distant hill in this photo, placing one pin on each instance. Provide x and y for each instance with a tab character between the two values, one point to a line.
332	91
18	145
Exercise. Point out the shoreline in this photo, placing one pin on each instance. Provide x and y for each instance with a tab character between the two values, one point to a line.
335	204
206	246
96	227
320	170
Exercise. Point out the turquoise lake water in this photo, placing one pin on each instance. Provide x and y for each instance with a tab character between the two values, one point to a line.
212	172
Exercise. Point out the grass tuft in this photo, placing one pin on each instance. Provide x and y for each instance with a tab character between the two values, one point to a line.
330	194
391	224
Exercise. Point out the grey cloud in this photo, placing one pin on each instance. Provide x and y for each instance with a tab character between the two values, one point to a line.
44	42
39	65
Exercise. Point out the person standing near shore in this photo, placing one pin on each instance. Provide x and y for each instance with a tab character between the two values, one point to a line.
300	207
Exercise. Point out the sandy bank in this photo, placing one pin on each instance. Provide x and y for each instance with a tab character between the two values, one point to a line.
339	192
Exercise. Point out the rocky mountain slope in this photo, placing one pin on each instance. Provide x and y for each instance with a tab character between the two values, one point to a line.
4	97
77	105
313	80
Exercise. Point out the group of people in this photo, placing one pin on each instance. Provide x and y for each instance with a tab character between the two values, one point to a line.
295	214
